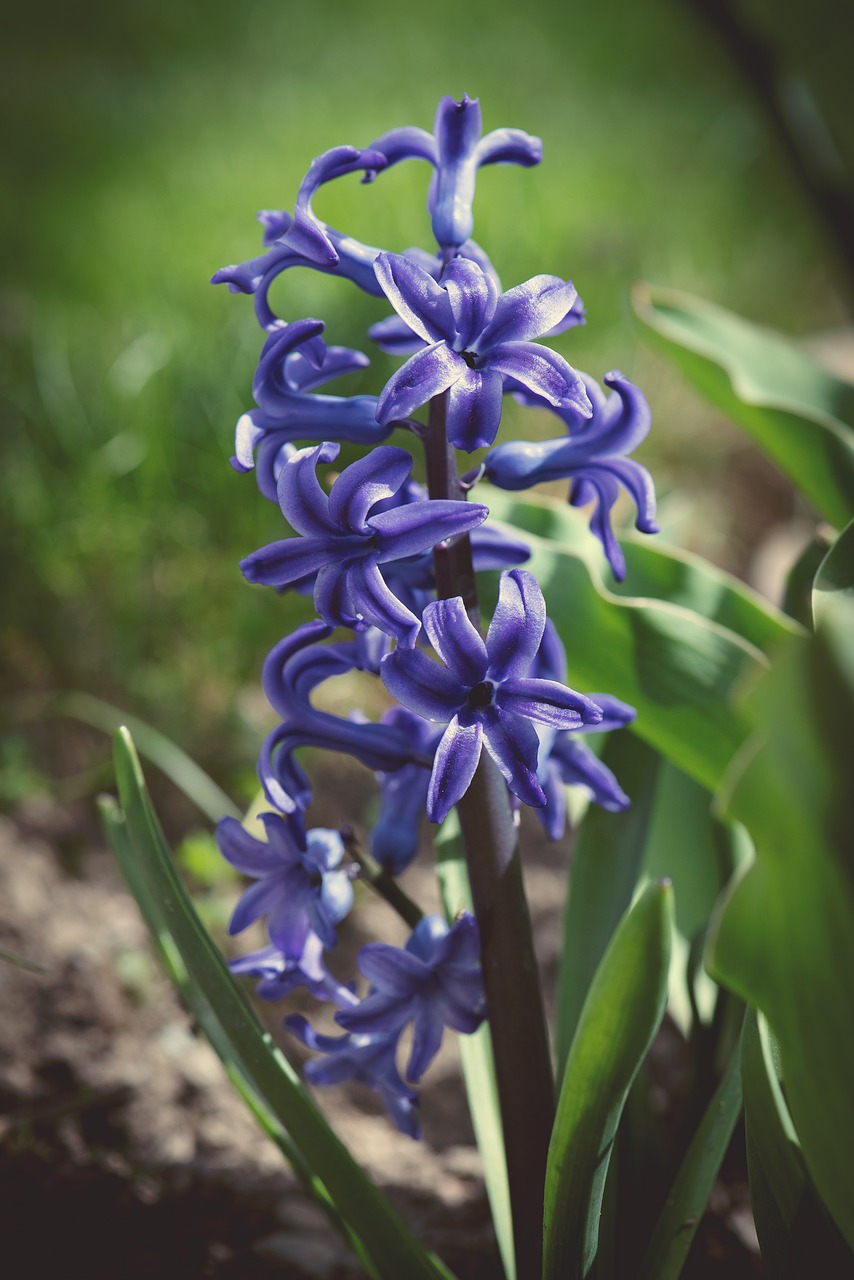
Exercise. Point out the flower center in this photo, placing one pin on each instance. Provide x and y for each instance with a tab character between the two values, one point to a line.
480	695
470	358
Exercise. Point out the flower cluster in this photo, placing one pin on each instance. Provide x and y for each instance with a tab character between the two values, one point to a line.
372	549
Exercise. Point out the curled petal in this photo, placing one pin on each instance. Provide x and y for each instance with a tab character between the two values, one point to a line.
509	146
304	503
391	970
259	898
428	1029
513	744
542	371
333	594
281	563
395	337
547	702
517	626
306	233
457	758
249	856
406	531
474	408
426	374
456	640
375	603
577	765
473	294
370	479
529	310
406	143
415	296
425	687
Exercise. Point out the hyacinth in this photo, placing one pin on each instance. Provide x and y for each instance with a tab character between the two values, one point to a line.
484	694
433	983
365	1059
474	339
592	455
344	546
279	974
298	884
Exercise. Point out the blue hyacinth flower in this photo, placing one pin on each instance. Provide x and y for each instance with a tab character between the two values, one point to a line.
279	974
475	338
592	455
298	884
344	546
435	982
484	694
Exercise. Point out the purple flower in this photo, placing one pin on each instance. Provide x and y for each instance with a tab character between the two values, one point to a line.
591	455
294	361
280	974
365	1059
306	234
297	884
344	546
294	668
435	982
403	794
456	151
474	340
484	693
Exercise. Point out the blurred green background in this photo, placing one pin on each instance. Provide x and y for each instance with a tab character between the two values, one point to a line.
141	140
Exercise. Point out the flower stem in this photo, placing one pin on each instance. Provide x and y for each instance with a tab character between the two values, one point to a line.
511	980
380	881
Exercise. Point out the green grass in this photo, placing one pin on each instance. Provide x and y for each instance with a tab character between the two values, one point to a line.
146	138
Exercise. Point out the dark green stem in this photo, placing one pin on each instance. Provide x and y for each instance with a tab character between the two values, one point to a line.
380	881
511	979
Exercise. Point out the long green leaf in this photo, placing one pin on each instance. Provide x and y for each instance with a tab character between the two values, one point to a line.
240	1039
798	412
621	1015
689	1194
678	668
476	1057
180	768
784	935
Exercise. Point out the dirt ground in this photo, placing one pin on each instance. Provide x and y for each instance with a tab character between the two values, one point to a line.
124	1151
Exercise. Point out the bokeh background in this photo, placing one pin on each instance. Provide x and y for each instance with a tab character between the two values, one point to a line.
140	141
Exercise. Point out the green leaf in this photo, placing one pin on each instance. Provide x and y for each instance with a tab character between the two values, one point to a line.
606	865
678	668
156	747
833	589
783	938
621	1015
797	411
689	1194
476	1057
250	1055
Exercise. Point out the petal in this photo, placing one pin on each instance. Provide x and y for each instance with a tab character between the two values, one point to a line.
542	371
281	563
288	925
474	408
307	234
420	526
457	758
547	702
457	128
377	476
333	597
406	143
337	362
456	640
509	146
579	766
375	602
425	687
336	895
493	548
392	970
529	310
416	297
394	336
426	374
249	856
517	626
257	900
304	503
595	484
377	1012
473	294
513	744
427	1035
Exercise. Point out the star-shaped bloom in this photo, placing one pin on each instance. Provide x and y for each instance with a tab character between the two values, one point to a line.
456	150
365	1059
592	455
280	974
484	694
344	546
298	884
294	361
475	338
433	983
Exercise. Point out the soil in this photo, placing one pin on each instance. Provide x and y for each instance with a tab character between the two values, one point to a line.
125	1153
